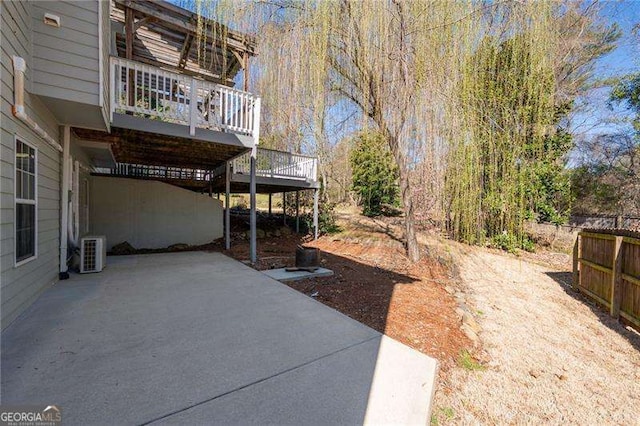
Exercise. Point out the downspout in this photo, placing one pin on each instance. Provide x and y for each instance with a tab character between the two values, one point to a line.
18	109
64	202
76	204
73	222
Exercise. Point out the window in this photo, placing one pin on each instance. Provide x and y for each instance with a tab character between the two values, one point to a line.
26	204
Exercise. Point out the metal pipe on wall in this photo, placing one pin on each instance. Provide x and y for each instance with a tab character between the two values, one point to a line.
64	202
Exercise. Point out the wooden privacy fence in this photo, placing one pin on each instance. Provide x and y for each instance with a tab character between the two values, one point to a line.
606	267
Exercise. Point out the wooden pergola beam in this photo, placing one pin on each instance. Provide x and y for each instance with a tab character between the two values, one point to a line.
144	21
234	39
245	73
184	53
211	76
161	34
129	30
239	56
129	33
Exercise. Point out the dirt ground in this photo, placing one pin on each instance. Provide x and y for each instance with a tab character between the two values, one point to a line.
374	283
549	355
545	353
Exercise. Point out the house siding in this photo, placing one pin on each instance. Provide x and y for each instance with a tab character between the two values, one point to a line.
105	48
84	176
150	214
20	286
66	60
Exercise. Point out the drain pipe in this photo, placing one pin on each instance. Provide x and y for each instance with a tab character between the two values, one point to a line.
75	203
64	202
73	222
18	109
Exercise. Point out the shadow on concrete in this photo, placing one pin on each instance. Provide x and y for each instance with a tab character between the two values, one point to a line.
565	280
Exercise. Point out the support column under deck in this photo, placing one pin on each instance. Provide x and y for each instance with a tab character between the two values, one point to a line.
316	194
252	201
252	182
227	212
269	204
284	208
297	212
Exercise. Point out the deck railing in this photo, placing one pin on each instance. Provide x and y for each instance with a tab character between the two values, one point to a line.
278	164
154	93
270	163
156	172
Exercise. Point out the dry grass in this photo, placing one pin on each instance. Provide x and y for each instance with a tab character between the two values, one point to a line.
550	356
547	355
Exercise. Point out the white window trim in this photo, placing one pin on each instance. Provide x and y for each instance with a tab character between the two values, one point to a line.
17	200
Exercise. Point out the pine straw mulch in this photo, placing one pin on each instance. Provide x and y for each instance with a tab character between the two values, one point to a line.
375	284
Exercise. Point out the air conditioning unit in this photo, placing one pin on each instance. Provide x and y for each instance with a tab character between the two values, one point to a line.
93	254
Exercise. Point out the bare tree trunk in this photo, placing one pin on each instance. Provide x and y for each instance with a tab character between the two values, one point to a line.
324	193
410	237
411	240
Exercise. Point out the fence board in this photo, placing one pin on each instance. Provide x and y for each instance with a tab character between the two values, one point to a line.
630	298
631	259
596	282
613	282
598	251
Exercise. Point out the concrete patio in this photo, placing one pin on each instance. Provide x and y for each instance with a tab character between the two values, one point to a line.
200	338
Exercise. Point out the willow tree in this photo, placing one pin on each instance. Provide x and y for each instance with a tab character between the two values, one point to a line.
404	69
318	54
506	161
507	100
373	64
477	74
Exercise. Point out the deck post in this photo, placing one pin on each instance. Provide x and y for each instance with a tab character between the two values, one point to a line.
284	208
252	202
129	34
269	204
316	195
297	212
227	212
193	106
253	249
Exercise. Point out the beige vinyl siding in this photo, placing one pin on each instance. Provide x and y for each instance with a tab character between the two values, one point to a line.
66	59
77	154
105	30
20	286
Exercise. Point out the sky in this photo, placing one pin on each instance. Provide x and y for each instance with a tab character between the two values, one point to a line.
625	59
